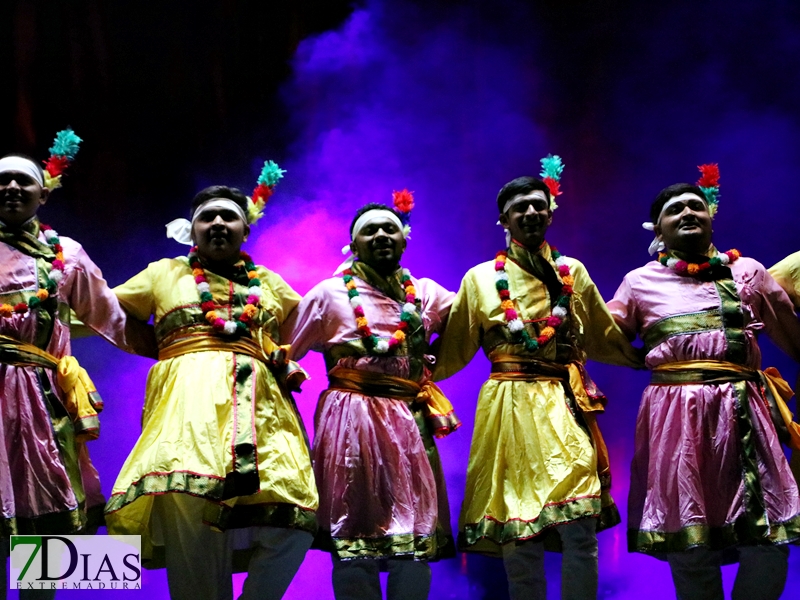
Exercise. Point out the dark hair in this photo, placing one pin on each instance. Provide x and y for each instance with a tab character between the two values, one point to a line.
369	207
220	191
520	185
676	189
26	157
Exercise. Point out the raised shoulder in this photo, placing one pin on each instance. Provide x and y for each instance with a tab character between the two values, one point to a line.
481	271
750	264
429	287
576	267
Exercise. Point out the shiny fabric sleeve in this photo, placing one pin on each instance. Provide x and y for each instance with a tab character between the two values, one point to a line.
436	303
462	335
287	298
136	295
787	274
303	329
604	341
92	300
777	314
623	309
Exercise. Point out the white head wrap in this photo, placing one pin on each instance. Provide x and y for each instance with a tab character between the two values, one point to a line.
180	230
368	217
516	200
23	165
657	245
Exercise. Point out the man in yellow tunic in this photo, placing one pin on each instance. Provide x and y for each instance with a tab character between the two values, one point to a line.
222	444
537	462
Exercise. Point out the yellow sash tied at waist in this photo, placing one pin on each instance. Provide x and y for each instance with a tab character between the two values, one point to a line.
288	372
439	412
80	397
776	391
517	368
506	367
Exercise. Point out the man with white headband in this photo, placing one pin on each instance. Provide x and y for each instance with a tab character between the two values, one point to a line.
49	406
383	503
538	474
709	477
222	461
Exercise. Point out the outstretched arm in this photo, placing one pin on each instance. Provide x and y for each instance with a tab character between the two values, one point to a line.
787	274
605	341
98	308
303	329
462	335
780	321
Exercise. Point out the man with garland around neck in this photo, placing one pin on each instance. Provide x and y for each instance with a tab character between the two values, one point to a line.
222	444
49	406
709	476
383	503
538	473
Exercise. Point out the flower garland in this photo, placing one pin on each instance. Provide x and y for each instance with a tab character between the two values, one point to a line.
560	309
232	326
54	277
372	343
681	267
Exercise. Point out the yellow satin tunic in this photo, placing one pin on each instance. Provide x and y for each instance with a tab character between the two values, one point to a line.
531	464
215	424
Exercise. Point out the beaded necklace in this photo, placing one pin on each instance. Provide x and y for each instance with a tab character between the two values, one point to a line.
559	312
53	278
681	267
372	343
231	326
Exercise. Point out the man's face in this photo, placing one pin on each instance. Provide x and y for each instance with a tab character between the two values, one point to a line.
685	224
528	218
219	233
380	244
20	197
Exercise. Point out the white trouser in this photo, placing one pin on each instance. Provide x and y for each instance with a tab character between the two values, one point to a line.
762	573
524	563
198	558
360	580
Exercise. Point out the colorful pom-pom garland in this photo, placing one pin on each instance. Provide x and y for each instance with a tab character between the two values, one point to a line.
231	326
63	151
55	277
681	267
372	343
558	315
269	177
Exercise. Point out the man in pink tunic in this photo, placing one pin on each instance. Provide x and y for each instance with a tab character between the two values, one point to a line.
709	476
383	503
47	482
